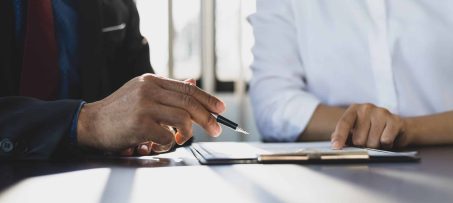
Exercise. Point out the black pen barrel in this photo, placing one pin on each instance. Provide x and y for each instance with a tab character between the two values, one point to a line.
226	122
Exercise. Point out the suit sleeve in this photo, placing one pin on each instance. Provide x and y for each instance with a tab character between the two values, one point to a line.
35	129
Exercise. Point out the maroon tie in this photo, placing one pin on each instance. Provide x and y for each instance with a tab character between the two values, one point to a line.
40	73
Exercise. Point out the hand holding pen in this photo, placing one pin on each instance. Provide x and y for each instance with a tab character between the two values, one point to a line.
138	114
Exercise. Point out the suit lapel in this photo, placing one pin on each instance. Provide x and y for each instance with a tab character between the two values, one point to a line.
91	62
8	69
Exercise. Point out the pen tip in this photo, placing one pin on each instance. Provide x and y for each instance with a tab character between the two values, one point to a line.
242	131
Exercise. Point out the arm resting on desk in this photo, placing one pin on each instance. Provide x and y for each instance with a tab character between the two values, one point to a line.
423	130
35	129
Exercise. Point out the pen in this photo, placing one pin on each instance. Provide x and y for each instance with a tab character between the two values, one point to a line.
228	123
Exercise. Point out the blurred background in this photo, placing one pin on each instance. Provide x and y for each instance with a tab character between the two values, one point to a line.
210	41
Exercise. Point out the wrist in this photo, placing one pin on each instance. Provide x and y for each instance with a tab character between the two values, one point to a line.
411	131
85	127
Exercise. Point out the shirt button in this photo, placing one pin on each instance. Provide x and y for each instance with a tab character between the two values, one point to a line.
6	145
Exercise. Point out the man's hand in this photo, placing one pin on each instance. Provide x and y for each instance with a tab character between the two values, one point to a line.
141	111
146	148
370	126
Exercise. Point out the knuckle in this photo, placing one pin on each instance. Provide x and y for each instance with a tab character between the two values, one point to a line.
212	101
188	88
386	141
354	106
386	111
383	112
147	77
367	107
187	101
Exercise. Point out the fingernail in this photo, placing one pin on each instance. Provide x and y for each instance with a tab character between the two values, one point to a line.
218	131
179	139
144	148
336	145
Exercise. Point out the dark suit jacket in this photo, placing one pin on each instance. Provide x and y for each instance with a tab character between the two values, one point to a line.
38	129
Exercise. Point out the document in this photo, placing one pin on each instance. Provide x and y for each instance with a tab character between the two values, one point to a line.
311	152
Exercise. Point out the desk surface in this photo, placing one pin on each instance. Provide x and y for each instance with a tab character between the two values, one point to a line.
177	177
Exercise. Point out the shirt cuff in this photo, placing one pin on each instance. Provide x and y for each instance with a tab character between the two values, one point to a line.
288	119
297	114
73	132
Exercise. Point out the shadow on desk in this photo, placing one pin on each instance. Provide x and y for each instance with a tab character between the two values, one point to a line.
121	175
428	181
132	179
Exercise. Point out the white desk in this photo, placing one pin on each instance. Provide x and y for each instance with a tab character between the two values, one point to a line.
177	177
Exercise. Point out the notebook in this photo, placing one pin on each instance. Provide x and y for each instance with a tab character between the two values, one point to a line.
209	153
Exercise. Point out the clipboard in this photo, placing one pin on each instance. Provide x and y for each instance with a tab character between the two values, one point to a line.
221	153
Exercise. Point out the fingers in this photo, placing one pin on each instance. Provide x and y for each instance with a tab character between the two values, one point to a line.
371	127
174	117
162	148
377	127
389	134
211	103
191	106
158	134
153	147
148	147
186	96
362	127
180	138
144	149
344	126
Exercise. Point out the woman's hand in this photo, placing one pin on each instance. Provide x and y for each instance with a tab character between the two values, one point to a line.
367	125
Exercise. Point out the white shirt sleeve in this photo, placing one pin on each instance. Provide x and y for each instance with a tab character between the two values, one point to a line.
281	104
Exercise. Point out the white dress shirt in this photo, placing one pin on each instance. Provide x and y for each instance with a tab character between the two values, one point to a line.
395	54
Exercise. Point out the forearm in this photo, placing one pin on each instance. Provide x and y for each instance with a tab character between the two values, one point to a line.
423	130
38	129
322	123
430	130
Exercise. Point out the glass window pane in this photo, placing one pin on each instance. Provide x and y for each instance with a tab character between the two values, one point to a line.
187	39
154	26
248	40
227	39
234	39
